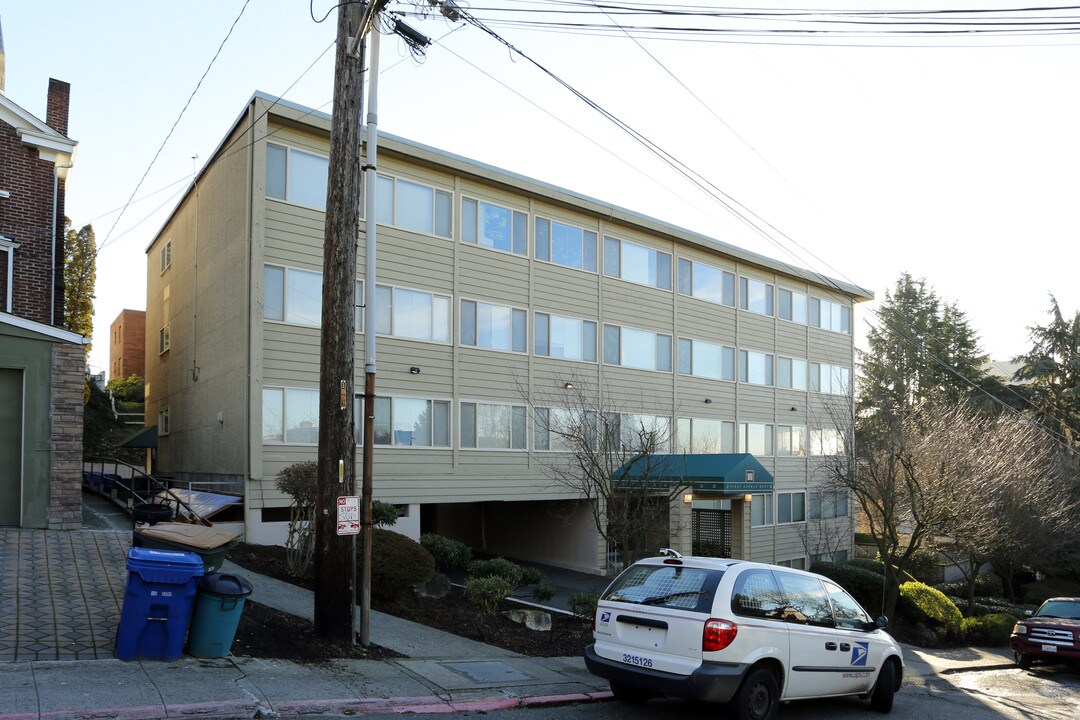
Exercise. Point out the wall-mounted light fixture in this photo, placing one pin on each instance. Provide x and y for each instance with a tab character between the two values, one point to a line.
414	370
708	401
794	409
747	498
568	386
688	498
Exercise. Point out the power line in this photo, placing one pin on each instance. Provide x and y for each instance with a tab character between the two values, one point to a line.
176	122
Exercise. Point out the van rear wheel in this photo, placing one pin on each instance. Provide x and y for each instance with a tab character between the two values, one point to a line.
757	698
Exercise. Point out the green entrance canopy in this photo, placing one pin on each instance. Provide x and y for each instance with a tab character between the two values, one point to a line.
716	474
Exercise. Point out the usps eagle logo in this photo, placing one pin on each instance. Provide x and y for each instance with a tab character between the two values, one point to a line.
605	617
859	653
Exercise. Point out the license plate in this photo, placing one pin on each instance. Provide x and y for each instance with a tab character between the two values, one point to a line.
638	660
1049	648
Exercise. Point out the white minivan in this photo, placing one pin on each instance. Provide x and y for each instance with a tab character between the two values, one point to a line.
729	631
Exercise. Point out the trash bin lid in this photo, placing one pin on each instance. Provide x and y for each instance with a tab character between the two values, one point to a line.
225	584
173	562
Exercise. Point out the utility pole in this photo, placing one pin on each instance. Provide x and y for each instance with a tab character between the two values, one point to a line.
335	555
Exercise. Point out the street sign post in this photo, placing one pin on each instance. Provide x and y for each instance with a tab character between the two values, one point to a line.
348	515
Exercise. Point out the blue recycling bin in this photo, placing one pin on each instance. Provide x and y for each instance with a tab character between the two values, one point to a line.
158	600
218	607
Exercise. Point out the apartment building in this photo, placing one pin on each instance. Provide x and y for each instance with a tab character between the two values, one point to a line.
127	344
42	365
495	292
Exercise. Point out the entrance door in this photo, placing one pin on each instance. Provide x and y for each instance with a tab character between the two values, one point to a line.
11	431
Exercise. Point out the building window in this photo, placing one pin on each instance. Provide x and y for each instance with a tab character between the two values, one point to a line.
831	379
706	282
636	432
296	176
493	427
829	315
165	256
826	505
790	507
756	438
493	327
755	368
295	296
641	349
796	563
566	245
290	415
707	360
826	441
563	429
834	557
412	314
407	422
412	206
163	422
494	226
564	337
756	296
703	436
163	339
637	263
791	373
761	510
791	440
792	306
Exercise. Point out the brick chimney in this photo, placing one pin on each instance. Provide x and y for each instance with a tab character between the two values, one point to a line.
56	112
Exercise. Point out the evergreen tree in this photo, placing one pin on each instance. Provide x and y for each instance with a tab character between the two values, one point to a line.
1051	371
80	274
923	352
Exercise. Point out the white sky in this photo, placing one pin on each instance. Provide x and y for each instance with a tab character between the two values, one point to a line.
957	164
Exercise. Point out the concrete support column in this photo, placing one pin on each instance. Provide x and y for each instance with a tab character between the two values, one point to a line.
681	523
740	529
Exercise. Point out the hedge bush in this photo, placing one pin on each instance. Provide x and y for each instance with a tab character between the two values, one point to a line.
988	585
876	566
920	603
531	575
991	630
866	586
487	592
543	592
499	567
1036	592
583	604
383	514
449	554
398	564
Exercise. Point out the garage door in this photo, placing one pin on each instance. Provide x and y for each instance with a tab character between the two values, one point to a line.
11	430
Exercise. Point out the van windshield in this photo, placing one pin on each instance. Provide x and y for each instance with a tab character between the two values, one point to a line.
671	586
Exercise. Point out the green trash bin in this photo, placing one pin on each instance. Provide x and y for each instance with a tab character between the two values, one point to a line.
217	614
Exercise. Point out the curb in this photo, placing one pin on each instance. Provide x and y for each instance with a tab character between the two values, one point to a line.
300	708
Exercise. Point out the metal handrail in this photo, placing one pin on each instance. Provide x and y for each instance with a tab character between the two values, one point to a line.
153	486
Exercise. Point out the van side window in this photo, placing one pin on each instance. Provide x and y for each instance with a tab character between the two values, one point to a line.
848	612
756	595
807	603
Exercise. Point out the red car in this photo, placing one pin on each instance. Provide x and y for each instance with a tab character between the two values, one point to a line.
1051	634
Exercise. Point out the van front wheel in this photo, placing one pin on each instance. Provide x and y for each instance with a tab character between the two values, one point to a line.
757	698
882	698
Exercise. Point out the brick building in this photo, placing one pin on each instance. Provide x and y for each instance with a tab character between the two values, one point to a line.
127	344
42	365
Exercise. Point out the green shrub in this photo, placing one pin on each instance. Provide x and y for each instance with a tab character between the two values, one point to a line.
985	585
499	567
921	603
583	604
866	586
383	514
1036	592
876	566
398	564
449	554
531	575
486	592
708	548
991	630
300	482
924	566
543	592
864	538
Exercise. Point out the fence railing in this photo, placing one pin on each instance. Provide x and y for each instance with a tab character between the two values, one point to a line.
130	485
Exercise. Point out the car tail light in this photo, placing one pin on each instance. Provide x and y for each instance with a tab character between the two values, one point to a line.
718	634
